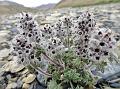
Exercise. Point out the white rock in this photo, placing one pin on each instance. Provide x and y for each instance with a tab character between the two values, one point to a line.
30	78
4	53
25	71
3	35
13	67
25	86
11	86
17	68
2	63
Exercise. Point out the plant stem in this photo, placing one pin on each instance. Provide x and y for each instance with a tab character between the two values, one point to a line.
40	70
71	85
89	65
62	63
52	61
68	43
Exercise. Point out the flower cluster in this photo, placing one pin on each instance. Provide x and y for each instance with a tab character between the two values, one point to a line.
90	41
31	38
22	49
83	30
24	44
63	27
79	34
102	44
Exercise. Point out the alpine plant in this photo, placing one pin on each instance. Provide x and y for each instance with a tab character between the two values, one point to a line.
59	44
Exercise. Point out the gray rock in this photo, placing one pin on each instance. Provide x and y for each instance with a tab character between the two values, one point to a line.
37	85
40	78
2	63
11	86
3	35
4	53
4	45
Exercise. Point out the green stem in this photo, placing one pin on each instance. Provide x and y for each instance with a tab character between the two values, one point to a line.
40	70
71	85
68	43
52	61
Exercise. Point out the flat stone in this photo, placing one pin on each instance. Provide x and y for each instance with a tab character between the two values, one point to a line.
11	86
4	45
99	24
13	67
14	79
30	78
111	88
25	86
10	58
19	83
4	35
40	78
1	80
37	85
113	17
4	53
2	63
1	86
18	68
25	71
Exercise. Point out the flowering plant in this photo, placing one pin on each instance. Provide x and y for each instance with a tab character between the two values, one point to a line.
65	51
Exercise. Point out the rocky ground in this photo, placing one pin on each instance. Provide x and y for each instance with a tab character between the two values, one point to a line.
14	76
